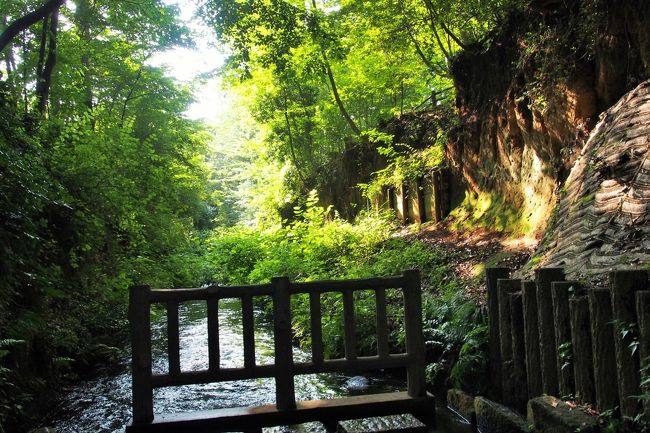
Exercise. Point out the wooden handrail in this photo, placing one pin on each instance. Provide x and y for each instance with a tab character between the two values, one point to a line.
284	369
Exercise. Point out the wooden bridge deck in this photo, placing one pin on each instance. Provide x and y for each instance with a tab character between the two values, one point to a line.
287	410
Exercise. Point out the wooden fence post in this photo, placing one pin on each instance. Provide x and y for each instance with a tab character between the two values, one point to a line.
562	323
547	349
284	386
624	286
414	339
140	324
531	331
583	362
492	275
518	351
602	335
643	316
504	288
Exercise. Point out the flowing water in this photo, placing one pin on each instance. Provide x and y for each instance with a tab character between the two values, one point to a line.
103	405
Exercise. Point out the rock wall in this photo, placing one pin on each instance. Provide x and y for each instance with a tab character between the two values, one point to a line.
602	219
521	128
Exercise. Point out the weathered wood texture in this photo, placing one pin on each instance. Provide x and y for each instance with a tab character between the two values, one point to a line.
643	316
520	387
284	369
602	334
547	348
560	291
531	335
624	284
140	325
325	411
504	288
583	366
491	276
285	395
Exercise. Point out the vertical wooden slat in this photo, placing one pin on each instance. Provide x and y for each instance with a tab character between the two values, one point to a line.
414	339
382	323
284	386
624	286
531	329
518	351
643	317
248	327
548	352
602	335
173	339
491	277
583	362
349	324
213	334
562	322
316	328
140	327
504	288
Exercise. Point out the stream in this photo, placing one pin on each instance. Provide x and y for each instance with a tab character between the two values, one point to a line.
103	405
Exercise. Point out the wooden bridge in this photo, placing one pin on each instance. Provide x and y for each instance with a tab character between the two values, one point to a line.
286	411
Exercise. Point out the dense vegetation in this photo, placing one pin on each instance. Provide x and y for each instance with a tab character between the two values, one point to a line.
105	183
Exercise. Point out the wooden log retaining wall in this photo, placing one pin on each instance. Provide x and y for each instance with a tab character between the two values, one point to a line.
419	201
556	337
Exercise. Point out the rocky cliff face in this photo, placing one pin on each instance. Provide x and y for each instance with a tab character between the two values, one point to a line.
529	101
603	217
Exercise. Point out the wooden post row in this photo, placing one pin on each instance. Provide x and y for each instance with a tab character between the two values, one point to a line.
547	348
624	284
531	331
492	275
140	324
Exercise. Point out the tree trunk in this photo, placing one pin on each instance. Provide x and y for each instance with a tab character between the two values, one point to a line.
26	21
45	80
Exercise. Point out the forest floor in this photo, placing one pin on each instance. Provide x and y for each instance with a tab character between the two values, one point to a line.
469	252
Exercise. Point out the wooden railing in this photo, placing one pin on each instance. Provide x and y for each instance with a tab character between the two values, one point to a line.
284	368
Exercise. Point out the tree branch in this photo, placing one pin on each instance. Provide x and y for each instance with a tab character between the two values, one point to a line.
26	21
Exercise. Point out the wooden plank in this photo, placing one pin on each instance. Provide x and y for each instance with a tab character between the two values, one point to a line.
248	328
624	285
415	380
504	288
382	323
602	334
520	396
211	292
643	317
531	331
316	328
349	325
342	285
207	376
362	363
284	386
560	291
140	327
238	419
547	349
583	361
491	277
213	334
173	339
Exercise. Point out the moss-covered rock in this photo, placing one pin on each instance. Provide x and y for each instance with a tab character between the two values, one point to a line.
492	417
550	415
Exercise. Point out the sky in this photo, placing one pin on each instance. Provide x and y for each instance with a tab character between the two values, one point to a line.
187	64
